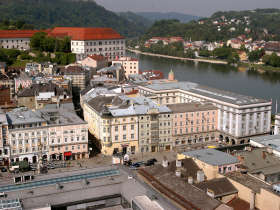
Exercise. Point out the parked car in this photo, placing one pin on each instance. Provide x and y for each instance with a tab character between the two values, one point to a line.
136	165
151	162
3	169
127	163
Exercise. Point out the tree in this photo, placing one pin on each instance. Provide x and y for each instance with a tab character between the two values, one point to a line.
37	41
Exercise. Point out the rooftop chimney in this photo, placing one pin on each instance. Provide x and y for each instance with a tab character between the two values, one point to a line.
164	162
200	176
264	154
178	173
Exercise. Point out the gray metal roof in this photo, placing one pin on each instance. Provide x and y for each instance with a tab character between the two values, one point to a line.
209	92
51	115
212	157
24	116
138	106
272	141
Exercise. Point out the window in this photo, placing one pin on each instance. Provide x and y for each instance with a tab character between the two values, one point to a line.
65	139
124	127
124	137
73	147
79	147
132	127
132	136
116	128
116	138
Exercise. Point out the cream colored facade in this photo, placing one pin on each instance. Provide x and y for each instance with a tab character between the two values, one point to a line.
132	133
130	65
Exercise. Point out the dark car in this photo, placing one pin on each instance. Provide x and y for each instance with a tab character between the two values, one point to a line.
127	163
151	162
3	169
136	165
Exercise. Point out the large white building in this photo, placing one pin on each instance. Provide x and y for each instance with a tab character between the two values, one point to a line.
16	39
88	41
239	117
84	41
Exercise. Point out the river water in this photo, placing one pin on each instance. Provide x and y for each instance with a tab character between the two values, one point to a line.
251	83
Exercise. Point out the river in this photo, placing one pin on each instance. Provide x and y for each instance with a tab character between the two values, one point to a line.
251	83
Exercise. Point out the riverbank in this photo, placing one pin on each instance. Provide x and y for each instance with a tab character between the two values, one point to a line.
260	67
179	58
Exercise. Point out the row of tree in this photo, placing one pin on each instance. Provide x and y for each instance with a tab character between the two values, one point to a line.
12	56
173	49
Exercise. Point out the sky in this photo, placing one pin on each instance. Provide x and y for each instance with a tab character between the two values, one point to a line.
194	7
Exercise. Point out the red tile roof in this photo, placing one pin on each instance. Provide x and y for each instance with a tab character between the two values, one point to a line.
74	32
87	33
97	57
17	33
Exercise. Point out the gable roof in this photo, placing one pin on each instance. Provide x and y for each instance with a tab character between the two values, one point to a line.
17	33
78	33
97	57
220	187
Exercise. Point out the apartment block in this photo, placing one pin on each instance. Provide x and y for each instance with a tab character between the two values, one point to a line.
49	133
130	65
128	124
193	123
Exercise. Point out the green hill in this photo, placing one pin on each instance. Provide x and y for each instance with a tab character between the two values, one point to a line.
257	24
156	16
51	13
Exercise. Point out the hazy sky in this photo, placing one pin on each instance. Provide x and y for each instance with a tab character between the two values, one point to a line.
196	7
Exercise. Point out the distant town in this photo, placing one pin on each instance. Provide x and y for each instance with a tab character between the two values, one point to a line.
97	132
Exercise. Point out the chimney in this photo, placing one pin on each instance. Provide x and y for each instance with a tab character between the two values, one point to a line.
178	173
264	154
178	163
118	74
200	176
164	162
190	180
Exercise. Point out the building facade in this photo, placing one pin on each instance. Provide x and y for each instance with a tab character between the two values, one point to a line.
47	134
239	117
130	65
127	124
193	123
84	41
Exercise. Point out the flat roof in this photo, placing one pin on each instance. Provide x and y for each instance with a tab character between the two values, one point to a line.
212	156
65	179
190	107
221	95
147	203
272	141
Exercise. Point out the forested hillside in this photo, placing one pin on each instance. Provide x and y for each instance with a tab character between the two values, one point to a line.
155	16
257	24
51	13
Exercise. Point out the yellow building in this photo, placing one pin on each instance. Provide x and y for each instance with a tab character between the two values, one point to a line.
128	124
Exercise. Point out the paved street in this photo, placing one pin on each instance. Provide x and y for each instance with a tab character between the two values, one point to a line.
102	161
